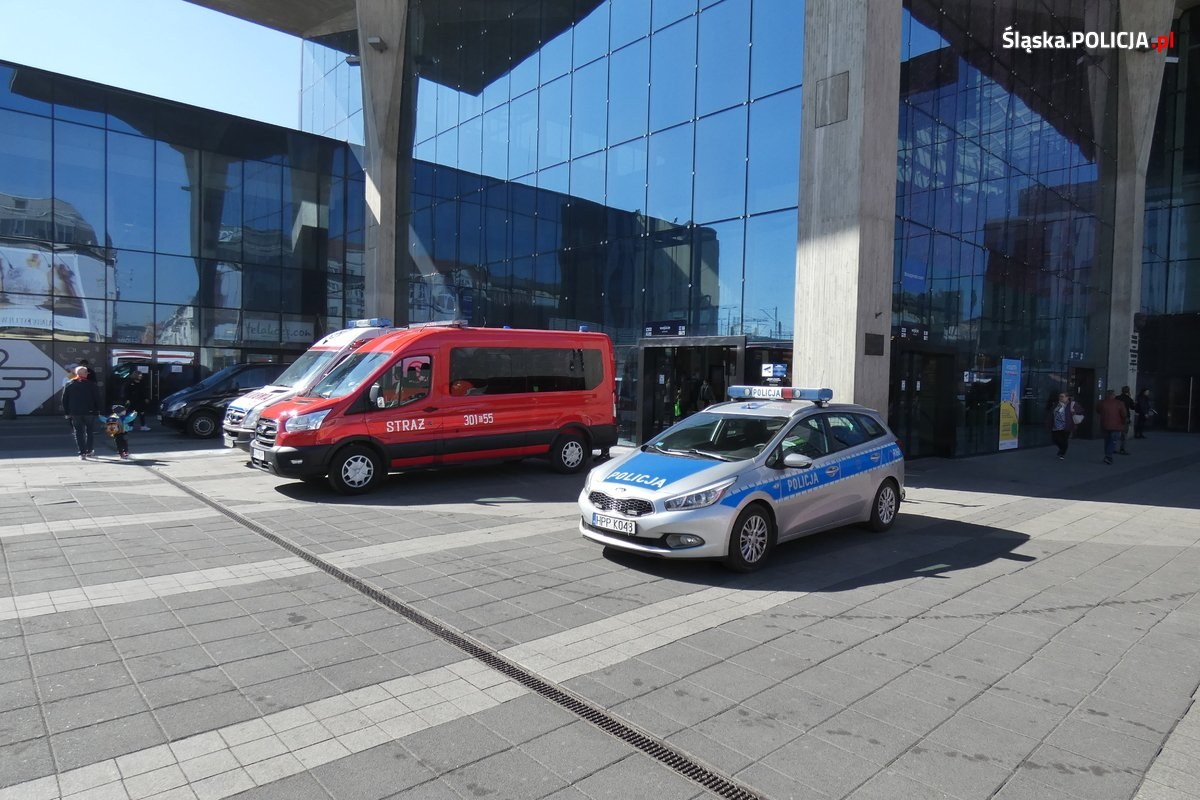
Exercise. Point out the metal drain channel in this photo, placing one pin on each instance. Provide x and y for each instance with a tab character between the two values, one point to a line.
651	746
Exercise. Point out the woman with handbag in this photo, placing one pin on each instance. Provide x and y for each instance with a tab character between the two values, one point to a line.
1061	420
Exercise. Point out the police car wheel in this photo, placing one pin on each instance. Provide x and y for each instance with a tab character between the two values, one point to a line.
355	470
884	507
569	453
751	540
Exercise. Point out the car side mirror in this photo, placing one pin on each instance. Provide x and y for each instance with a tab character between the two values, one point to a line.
797	461
373	394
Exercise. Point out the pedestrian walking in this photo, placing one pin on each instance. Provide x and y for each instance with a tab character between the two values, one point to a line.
81	405
706	395
1112	422
137	398
1145	412
1061	422
117	425
1130	409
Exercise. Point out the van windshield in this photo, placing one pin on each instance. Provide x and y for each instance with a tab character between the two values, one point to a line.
349	375
305	368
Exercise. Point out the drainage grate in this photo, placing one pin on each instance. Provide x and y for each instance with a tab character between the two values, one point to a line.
651	746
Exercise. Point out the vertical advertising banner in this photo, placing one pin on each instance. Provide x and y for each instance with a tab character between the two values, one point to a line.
1010	403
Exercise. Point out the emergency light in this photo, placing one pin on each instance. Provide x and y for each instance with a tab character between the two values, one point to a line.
373	322
818	396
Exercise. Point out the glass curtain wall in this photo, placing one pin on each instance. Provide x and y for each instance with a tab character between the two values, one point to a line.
605	163
1170	321
331	88
1003	219
132	227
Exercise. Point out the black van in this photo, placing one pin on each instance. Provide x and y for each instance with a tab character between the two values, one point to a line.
198	410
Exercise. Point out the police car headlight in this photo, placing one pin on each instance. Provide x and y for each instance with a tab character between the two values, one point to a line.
176	406
251	419
305	422
699	499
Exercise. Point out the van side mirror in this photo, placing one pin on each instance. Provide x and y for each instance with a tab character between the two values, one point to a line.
797	461
373	394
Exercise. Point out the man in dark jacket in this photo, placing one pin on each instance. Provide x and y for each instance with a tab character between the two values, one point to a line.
1130	407
81	404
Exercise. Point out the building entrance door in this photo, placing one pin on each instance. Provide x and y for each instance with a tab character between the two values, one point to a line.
923	408
1086	394
680	376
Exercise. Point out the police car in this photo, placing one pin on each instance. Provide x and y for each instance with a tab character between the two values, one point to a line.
773	464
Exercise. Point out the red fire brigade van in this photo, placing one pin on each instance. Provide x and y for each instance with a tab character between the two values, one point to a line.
443	394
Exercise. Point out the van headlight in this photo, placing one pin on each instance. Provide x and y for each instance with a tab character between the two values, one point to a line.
699	498
305	422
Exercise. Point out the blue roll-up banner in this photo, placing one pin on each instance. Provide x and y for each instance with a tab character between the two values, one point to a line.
1010	403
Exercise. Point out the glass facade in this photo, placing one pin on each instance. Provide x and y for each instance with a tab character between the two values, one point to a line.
1171	256
331	88
605	163
135	228
1004	224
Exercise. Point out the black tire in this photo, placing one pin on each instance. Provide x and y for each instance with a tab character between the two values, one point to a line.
751	540
884	507
203	425
569	453
355	470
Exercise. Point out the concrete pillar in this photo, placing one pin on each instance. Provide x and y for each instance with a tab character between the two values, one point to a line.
1139	84
847	198
382	43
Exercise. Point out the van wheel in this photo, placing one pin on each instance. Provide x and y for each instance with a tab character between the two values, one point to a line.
202	425
569	453
355	470
751	540
884	507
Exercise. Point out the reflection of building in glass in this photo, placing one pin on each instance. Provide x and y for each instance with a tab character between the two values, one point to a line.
130	220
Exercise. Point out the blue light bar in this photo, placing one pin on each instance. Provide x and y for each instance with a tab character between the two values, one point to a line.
818	396
373	322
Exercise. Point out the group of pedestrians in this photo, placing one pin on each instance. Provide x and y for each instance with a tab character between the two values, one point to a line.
83	405
1117	413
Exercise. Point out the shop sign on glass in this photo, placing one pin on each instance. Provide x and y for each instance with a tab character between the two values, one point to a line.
675	327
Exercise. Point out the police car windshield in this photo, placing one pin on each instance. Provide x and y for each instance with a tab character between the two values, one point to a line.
719	436
350	374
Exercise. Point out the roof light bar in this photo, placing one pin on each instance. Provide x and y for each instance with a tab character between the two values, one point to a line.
818	396
373	322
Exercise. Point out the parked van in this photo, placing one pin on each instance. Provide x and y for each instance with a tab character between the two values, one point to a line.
197	410
243	413
442	394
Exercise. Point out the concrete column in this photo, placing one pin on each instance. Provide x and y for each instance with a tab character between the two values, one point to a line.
1139	84
382	43
847	198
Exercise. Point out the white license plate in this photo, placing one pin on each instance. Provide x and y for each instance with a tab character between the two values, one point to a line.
229	442
257	453
614	524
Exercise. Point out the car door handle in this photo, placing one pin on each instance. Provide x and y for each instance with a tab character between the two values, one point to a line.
876	456
429	409
831	471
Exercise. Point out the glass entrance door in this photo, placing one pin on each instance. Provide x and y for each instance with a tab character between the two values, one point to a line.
923	408
679	379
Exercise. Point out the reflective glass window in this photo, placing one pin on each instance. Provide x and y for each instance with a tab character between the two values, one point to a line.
723	56
261	287
470	146
770	263
25	170
222	207
221	284
177	279
773	165
625	187
629	91
177	326
673	75
77	101
777	57
591	36
667	11
495	142
522	132
133	276
589	108
630	21
176	187
721	165
262	212
587	177
132	323
13	94
717	279
555	53
80	319
669	176
554	123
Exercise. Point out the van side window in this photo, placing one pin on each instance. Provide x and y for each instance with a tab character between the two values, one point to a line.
516	370
408	381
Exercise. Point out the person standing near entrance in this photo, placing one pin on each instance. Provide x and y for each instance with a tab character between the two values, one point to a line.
1112	421
137	398
1145	410
1061	422
81	405
1130	407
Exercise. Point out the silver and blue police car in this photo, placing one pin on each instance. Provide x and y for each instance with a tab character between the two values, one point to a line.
734	480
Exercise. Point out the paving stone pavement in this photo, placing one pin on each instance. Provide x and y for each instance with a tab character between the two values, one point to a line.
1027	630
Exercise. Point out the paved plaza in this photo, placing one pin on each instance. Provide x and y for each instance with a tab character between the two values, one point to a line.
179	626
